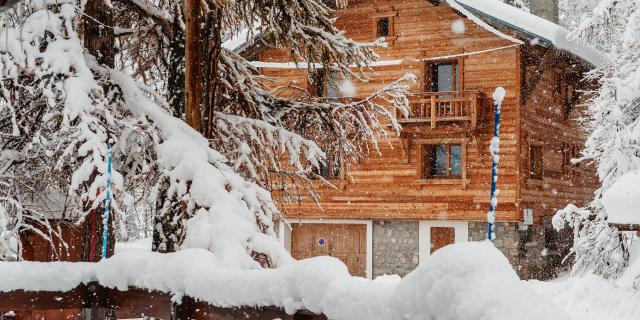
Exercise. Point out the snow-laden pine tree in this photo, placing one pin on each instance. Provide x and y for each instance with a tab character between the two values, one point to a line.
65	95
613	129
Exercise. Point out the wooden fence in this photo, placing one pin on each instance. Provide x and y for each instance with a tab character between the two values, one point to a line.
95	302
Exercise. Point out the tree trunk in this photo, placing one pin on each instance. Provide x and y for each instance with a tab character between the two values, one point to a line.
213	35
193	84
99	40
176	81
99	37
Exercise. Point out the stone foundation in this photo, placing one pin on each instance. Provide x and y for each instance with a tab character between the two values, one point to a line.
395	247
534	252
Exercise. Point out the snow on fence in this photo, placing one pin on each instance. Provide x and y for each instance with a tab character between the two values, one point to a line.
462	281
622	201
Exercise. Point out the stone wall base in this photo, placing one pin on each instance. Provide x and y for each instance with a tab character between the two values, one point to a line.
395	247
535	252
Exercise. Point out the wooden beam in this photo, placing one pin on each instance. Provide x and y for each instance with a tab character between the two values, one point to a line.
22	300
135	303
192	60
98	39
626	227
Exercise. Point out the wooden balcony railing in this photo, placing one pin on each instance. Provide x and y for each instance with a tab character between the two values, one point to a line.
431	108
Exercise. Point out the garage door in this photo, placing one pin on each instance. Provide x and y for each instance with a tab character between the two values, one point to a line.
347	242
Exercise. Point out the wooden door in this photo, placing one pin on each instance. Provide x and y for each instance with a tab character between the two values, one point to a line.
347	242
442	236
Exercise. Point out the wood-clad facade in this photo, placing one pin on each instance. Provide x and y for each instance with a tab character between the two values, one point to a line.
539	133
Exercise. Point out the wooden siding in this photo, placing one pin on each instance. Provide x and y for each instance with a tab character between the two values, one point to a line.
388	185
37	248
549	125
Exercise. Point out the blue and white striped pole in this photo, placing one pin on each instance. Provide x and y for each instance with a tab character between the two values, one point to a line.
105	216
498	96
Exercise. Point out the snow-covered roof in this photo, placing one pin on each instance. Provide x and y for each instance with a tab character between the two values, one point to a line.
531	26
243	39
238	42
486	13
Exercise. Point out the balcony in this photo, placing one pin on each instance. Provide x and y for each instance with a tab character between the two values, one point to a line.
443	109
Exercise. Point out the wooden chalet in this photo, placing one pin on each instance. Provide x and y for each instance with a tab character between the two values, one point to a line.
430	186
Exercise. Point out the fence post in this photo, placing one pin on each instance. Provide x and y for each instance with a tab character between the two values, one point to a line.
97	301
433	112
185	310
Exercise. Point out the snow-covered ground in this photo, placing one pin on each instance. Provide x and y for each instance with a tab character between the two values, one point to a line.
591	298
463	281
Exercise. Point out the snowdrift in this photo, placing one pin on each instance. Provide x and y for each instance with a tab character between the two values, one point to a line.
622	200
463	281
591	297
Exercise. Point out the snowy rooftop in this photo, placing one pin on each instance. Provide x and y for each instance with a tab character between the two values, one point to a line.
531	26
488	13
238	42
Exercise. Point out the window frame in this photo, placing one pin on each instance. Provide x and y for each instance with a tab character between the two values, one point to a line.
319	84
536	164
379	24
455	76
430	74
390	14
331	164
570	151
424	167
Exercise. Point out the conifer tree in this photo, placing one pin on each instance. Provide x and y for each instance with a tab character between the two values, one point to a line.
613	128
62	103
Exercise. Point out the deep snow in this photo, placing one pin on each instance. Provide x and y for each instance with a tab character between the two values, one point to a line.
463	281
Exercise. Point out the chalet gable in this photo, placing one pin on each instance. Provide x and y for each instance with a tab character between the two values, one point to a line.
503	20
527	26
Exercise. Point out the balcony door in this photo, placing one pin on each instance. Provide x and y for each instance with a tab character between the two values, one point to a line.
445	77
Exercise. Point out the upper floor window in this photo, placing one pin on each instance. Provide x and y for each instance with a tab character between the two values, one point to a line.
445	77
535	162
323	86
382	24
382	27
333	4
331	167
569	152
442	161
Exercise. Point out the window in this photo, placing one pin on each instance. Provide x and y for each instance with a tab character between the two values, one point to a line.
382	24
317	84
445	77
382	27
442	161
330	169
323	87
333	4
535	162
569	151
441	237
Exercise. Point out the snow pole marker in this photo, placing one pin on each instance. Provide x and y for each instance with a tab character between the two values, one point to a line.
105	216
494	148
